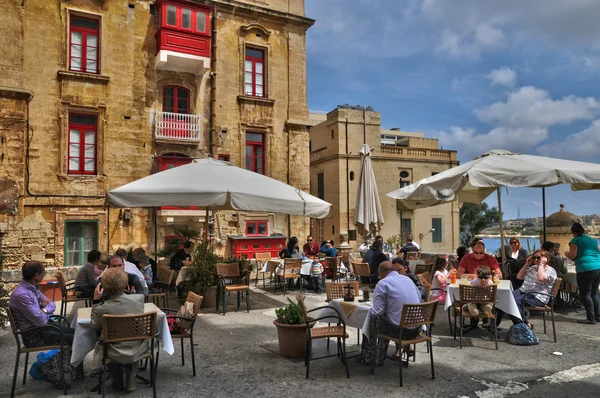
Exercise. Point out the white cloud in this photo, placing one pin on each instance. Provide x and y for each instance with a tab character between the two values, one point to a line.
584	145
471	43
502	77
532	107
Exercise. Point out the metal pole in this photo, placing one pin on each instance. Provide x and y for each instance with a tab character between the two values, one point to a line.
155	226
502	254
108	231
206	226
544	211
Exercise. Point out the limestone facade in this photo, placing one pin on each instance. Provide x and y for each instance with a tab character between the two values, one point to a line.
48	212
334	159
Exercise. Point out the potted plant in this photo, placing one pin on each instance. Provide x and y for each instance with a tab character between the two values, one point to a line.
201	274
291	330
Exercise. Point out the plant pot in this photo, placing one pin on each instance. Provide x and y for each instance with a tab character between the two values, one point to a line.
209	297
292	339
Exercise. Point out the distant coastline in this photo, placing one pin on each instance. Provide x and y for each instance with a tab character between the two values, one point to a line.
522	236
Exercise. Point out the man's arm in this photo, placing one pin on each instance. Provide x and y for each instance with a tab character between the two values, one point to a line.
30	309
379	301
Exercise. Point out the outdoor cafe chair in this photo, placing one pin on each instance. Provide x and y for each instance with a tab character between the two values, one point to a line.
333	264
313	332
186	328
67	291
414	316
231	272
291	271
165	276
121	328
262	259
21	349
412	256
477	295
547	307
424	268
337	290
362	270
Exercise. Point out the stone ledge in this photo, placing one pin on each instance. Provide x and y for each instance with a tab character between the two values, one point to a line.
11	276
62	74
256	100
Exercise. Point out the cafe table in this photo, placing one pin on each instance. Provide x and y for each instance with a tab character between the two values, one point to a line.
505	300
305	270
85	339
354	313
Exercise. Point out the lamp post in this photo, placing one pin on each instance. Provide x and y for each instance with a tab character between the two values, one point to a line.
421	236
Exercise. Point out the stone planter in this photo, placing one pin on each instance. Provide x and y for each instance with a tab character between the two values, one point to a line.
209	299
292	339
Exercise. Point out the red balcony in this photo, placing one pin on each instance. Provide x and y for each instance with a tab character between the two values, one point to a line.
183	37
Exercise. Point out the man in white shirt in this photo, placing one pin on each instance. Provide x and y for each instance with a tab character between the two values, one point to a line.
410	241
130	268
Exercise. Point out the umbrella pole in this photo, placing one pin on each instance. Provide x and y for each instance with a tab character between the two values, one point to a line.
544	211
154	225
502	253
206	226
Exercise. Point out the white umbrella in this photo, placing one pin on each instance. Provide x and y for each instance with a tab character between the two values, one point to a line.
215	184
368	215
476	180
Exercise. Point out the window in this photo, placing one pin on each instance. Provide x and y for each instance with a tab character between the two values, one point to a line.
254	73
257	228
434	173
321	186
351	176
80	238
84	45
82	144
176	99
185	18
436	225
404	183
223	157
406	225
255	148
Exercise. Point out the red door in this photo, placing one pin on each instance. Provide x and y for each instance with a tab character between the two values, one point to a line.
176	105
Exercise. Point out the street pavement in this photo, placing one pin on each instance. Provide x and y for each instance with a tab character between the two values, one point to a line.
236	355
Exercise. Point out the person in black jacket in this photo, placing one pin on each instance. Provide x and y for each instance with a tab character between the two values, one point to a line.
555	260
375	257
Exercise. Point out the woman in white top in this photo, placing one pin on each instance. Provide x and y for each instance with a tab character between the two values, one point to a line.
440	278
516	251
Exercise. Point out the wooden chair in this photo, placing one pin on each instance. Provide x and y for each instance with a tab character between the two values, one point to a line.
231	272
414	316
337	290
120	328
333	264
68	294
163	282
477	295
291	271
313	332
21	349
423	268
411	256
546	308
261	260
363	270
187	332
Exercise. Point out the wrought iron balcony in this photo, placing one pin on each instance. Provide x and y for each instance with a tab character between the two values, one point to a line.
181	127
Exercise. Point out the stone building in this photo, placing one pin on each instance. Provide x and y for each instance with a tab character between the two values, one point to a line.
97	93
399	159
558	228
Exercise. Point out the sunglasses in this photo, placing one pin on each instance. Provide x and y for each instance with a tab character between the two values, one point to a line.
477	252
310	240
514	243
485	277
537	258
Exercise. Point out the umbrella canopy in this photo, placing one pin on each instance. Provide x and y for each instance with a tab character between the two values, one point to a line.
217	185
368	215
476	180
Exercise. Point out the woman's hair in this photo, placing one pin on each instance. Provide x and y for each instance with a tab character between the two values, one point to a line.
440	263
114	281
514	238
577	229
461	251
542	253
483	271
93	256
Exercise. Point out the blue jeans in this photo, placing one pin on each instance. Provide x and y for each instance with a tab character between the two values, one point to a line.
530	301
588	283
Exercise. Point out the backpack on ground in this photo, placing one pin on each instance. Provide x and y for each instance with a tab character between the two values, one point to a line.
520	334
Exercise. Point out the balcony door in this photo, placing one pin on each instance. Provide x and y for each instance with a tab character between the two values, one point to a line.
176	112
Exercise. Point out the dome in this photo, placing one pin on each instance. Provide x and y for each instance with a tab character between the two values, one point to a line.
561	219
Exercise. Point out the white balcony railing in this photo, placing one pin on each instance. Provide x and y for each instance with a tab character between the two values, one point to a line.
177	127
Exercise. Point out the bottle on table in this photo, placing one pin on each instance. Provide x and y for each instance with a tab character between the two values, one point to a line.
453	276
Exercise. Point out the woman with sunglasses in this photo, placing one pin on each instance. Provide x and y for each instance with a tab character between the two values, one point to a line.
471	262
516	251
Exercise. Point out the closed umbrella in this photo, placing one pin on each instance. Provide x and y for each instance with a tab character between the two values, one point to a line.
368	215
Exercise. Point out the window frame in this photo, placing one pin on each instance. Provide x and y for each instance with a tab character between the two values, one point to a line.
256	223
175	97
255	61
82	254
179	7
83	128
224	157
84	46
437	236
254	145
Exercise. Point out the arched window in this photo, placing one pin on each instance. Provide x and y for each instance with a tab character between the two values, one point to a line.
176	99
351	176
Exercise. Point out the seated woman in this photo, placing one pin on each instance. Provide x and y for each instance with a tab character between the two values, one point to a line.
402	268
87	277
124	354
516	252
538	277
291	250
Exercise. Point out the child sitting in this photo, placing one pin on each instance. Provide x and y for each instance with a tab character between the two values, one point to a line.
316	274
484	278
440	279
146	270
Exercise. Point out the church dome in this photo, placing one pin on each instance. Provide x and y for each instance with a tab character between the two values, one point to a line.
562	219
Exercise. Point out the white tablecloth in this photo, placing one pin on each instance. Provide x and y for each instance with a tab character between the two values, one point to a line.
85	335
306	265
505	299
359	318
181	275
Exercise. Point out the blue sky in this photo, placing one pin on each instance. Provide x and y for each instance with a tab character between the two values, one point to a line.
478	75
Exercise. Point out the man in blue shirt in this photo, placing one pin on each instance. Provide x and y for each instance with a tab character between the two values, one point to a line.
328	249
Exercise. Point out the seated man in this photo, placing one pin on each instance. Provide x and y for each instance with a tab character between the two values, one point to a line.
182	257
139	253
554	259
391	293
129	267
472	261
31	308
402	268
374	257
124	354
87	277
328	249
134	284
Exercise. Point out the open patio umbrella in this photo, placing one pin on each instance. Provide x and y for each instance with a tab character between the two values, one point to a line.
368	215
476	180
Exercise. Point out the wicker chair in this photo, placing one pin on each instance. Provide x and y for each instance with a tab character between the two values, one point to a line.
477	295
546	308
163	282
291	271
187	332
362	270
231	272
337	290
262	259
21	349
68	294
423	268
414	316
120	328
337	331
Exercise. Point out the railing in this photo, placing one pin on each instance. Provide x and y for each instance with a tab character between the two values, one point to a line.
177	126
416	152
